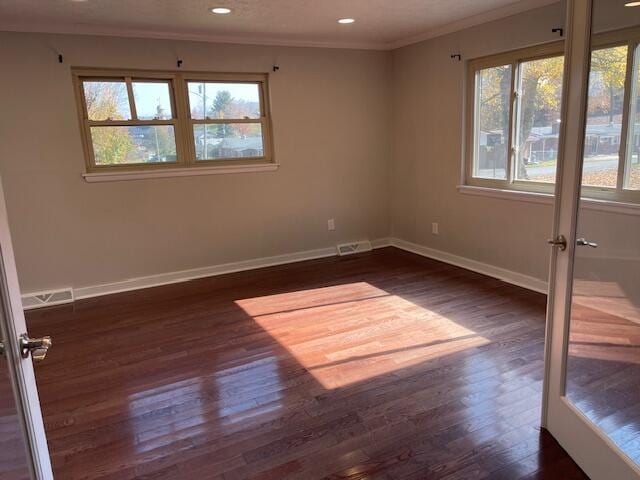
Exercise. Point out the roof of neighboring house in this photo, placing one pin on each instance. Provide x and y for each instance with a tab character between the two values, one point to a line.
242	143
605	129
613	129
546	132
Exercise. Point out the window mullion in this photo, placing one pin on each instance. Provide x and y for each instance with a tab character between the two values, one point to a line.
473	128
132	103
513	112
183	125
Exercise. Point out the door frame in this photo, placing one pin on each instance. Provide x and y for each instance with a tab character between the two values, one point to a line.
592	450
12	325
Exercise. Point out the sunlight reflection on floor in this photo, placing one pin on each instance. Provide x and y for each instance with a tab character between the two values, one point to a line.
608	297
367	342
605	323
148	436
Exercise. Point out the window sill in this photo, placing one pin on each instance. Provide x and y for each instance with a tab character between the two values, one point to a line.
517	195
548	199
177	172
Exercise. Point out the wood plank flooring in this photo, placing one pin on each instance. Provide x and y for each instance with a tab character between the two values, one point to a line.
383	365
603	369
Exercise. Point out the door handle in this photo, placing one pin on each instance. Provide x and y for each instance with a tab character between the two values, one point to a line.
583	242
37	347
560	242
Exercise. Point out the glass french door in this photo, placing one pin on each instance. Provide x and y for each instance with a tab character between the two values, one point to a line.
592	384
23	444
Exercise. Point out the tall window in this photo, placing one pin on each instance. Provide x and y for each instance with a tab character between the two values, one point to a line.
492	131
139	120
514	119
605	107
537	126
632	164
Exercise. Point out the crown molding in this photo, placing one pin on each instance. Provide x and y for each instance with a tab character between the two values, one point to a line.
98	30
496	14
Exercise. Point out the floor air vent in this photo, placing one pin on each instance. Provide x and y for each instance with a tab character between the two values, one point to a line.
356	247
45	299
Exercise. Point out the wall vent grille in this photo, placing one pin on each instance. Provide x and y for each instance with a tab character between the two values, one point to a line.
45	299
355	247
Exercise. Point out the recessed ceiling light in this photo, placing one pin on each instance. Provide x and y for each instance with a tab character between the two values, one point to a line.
346	20
632	4
220	10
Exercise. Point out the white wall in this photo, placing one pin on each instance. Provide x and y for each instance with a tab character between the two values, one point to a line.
428	117
331	114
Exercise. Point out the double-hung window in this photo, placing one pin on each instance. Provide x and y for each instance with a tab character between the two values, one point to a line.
514	119
140	120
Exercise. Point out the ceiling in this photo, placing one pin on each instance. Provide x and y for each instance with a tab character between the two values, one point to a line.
380	24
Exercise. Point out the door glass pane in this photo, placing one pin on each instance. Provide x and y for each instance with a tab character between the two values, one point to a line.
603	363
106	100
13	452
134	145
632	172
538	122
152	100
228	140
604	117
492	100
224	100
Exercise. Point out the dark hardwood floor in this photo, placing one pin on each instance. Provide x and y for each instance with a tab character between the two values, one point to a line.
13	453
603	369
384	365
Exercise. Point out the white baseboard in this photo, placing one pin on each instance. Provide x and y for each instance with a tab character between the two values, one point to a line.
210	271
381	243
195	273
509	276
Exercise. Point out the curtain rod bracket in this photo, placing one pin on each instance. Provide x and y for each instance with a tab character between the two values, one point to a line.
558	30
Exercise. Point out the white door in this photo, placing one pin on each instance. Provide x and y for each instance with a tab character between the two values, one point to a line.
23	451
592	387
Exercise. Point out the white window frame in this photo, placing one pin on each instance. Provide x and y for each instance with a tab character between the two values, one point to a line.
186	163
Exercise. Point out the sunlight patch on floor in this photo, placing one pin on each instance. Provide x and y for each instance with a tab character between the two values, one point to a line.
607	297
605	324
349	333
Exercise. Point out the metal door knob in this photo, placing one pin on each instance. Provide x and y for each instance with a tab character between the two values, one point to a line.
37	347
583	242
560	242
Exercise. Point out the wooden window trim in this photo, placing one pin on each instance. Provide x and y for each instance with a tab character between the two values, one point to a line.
181	118
629	37
513	58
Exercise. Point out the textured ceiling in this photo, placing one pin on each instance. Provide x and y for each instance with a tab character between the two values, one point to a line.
379	23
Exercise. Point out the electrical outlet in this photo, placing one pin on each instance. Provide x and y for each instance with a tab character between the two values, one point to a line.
434	228
331	224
